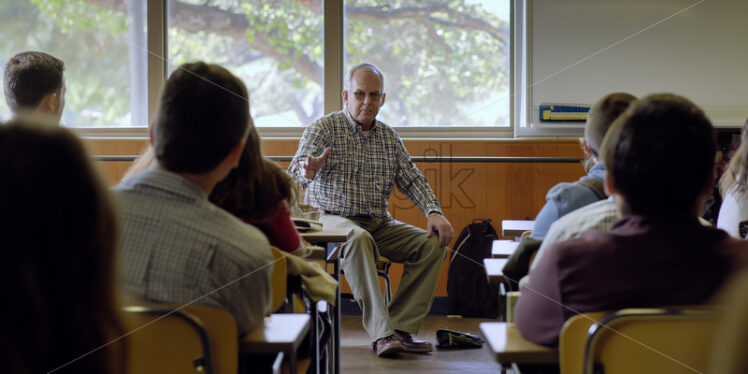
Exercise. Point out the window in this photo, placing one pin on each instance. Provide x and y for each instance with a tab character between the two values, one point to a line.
275	47
445	63
103	46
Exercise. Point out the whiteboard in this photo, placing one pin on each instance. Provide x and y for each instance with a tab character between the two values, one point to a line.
584	49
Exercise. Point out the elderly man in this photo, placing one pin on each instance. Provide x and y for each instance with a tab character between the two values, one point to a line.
34	84
349	162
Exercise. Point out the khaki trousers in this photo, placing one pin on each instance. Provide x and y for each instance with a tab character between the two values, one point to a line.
402	243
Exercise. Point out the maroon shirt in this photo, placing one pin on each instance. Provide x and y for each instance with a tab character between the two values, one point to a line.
640	262
280	230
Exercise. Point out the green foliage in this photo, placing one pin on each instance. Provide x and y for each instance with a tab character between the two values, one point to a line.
92	43
437	65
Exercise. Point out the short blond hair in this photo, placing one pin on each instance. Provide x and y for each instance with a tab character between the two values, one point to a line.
602	115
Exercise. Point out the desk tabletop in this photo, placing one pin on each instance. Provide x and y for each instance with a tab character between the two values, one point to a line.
279	333
494	269
509	346
331	235
515	228
503	248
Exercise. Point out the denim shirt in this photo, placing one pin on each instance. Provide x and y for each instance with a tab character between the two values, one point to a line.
564	198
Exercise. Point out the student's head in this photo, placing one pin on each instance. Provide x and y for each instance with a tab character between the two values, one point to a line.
202	118
58	235
601	116
34	82
256	188
660	156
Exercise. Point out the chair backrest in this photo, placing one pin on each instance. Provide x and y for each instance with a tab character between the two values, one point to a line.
672	340
279	278
166	338
572	341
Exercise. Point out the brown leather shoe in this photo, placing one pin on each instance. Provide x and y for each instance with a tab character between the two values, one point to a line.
413	345
388	346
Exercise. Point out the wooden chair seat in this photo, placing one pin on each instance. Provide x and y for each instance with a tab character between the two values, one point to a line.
168	338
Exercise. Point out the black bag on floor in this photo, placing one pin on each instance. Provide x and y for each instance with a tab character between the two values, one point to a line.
467	287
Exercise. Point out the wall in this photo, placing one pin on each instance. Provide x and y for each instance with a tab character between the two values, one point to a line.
584	49
466	190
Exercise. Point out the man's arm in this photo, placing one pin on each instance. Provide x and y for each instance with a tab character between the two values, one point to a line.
539	312
313	143
415	186
413	183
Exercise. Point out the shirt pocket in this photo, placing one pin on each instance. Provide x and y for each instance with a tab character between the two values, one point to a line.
384	169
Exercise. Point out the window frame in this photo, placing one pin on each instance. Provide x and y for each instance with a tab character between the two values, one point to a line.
333	46
522	59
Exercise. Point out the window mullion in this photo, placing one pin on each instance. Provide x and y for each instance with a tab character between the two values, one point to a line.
157	52
333	52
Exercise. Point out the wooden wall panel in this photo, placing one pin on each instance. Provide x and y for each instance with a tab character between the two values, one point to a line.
465	190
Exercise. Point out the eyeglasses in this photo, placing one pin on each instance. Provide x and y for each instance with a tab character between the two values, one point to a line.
361	95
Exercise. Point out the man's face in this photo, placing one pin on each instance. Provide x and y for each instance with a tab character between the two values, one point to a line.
364	97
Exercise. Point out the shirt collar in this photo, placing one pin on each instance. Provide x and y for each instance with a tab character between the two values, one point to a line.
172	182
355	125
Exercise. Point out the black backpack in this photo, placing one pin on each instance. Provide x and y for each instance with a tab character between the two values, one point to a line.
467	286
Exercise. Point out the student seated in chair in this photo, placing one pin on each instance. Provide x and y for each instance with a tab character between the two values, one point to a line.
59	237
733	214
566	197
176	245
660	160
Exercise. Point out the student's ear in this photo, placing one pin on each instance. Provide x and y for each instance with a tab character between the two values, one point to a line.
609	188
235	154
150	135
384	95
586	147
48	104
344	95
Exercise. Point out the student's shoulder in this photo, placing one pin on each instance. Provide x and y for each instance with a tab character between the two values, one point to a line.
594	211
589	244
565	189
230	222
243	242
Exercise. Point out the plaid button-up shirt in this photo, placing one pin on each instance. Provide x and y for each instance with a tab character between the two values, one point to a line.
177	247
358	175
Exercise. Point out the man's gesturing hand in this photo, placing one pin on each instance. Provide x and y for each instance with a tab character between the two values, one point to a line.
439	223
312	164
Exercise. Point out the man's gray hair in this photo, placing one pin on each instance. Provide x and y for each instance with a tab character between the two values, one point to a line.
364	66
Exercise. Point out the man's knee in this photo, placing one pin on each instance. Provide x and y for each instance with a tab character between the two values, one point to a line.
436	252
359	241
